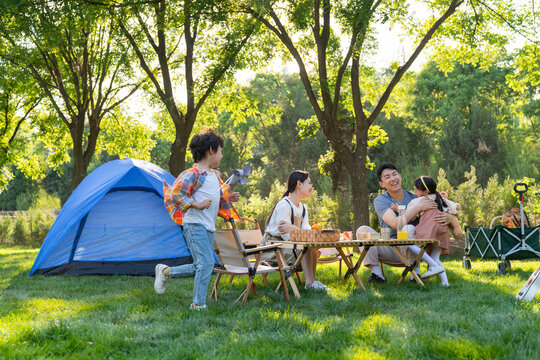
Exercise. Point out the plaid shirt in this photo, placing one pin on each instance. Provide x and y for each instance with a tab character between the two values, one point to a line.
179	197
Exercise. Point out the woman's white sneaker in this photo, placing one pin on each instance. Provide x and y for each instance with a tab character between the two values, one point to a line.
317	285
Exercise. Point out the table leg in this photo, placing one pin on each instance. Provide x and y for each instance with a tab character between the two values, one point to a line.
289	274
279	258
353	269
410	267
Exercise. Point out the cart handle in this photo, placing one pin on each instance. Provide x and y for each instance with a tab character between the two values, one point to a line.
522	191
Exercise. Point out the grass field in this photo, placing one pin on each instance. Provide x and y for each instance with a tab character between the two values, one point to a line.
120	317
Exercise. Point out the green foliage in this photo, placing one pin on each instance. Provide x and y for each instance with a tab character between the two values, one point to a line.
125	137
19	193
21	229
19	100
255	207
466	116
45	201
468	194
481	205
28	228
6	229
260	124
79	62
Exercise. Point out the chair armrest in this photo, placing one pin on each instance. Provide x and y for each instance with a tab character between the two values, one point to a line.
264	248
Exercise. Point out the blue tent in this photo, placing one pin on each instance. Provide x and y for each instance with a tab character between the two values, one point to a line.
114	222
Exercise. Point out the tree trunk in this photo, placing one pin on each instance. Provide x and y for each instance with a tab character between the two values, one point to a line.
357	173
183	125
177	161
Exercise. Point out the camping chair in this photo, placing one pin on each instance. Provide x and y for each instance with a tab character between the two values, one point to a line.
234	259
250	238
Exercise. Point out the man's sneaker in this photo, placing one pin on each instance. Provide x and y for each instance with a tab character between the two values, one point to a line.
161	280
317	285
197	307
374	278
435	270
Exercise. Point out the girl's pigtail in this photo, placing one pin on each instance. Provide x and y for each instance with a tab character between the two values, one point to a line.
440	201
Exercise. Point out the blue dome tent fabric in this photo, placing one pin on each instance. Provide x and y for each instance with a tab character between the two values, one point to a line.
114	222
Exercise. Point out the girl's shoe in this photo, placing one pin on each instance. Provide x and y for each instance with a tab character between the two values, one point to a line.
435	270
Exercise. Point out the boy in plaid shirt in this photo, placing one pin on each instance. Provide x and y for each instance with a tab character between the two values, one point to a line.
194	200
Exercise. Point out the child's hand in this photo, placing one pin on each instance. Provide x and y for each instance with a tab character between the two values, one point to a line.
394	207
205	204
234	197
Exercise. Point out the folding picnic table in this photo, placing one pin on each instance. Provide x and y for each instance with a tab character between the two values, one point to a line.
303	247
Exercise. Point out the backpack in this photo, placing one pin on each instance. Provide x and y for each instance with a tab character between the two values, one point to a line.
512	218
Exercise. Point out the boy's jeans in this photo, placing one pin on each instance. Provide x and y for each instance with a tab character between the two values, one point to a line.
200	243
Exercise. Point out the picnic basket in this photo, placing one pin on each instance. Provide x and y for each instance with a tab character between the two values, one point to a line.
325	235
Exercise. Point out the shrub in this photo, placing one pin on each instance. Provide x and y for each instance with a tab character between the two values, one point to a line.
468	194
21	229
6	229
40	223
255	207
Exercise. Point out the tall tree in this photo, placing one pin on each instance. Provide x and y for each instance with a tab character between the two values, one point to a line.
202	38
464	113
74	53
19	99
333	38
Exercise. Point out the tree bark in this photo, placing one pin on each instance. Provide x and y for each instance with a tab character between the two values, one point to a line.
177	160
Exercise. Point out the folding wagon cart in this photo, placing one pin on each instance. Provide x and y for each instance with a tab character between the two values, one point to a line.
503	243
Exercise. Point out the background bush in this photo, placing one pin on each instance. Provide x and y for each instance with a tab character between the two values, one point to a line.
479	206
27	228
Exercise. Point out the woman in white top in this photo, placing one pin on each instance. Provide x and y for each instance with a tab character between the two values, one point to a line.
289	213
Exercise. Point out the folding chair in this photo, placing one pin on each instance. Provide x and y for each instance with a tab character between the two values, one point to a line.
234	259
331	255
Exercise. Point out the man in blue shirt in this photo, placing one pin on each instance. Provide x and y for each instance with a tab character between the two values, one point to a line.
390	179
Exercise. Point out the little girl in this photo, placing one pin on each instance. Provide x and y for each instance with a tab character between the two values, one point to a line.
429	229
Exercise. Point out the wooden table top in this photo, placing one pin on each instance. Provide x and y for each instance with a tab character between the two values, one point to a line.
349	243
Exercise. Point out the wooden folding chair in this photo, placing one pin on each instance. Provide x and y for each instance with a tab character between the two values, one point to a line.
234	259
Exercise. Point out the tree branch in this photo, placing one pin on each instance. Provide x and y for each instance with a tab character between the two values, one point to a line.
402	69
282	34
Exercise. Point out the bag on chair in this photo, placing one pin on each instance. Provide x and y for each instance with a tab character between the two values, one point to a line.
512	218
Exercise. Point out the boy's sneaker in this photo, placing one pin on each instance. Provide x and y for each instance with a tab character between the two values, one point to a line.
161	280
197	307
317	285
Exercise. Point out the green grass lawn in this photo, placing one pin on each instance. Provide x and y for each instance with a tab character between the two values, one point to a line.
121	317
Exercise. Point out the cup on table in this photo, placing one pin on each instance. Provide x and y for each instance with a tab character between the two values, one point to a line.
385	233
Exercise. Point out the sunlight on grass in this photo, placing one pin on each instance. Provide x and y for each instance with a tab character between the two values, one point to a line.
378	327
121	317
38	313
362	353
297	319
